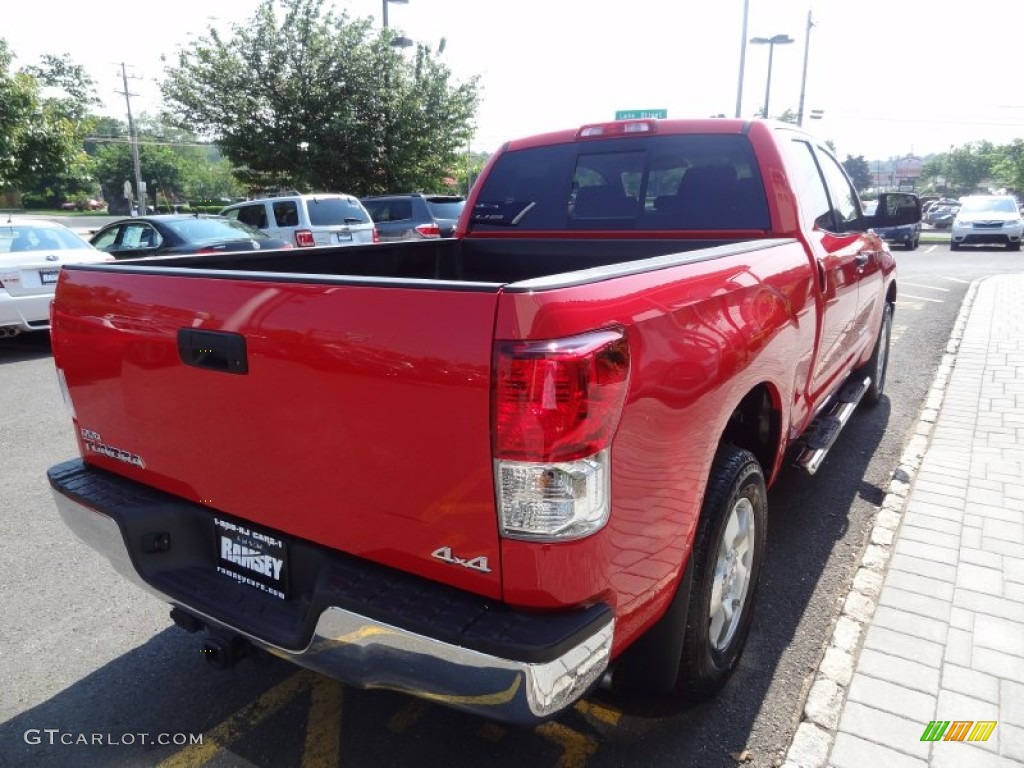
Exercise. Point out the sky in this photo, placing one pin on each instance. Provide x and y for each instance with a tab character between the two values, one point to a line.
891	77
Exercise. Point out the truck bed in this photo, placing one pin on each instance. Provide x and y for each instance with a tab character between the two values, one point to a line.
477	262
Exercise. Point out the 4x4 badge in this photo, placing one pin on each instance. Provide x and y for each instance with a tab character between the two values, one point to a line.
477	563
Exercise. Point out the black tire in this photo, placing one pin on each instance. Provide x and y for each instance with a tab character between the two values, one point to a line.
1013	246
954	245
727	555
878	365
912	245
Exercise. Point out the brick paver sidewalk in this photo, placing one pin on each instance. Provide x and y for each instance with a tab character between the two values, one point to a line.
930	644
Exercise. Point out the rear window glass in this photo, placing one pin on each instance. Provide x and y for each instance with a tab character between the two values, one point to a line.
195	230
331	211
693	182
446	209
28	238
389	210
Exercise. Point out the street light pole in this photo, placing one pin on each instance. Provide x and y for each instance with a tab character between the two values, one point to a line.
771	42
385	14
803	78
743	59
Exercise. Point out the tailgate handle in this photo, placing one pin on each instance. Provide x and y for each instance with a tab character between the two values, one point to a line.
213	350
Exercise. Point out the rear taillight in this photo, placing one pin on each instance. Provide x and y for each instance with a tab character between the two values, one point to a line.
428	230
561	399
376	235
556	407
304	238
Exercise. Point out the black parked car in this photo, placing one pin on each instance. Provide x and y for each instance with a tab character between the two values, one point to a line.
172	234
414	216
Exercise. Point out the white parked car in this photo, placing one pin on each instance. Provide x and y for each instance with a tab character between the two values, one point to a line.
328	218
988	220
32	252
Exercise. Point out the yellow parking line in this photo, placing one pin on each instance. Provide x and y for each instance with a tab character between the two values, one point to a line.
406	717
323	726
576	746
230	730
599	712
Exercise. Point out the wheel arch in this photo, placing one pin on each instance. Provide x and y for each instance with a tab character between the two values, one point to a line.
756	425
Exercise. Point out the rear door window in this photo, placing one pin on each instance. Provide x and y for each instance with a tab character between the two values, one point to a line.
254	215
286	213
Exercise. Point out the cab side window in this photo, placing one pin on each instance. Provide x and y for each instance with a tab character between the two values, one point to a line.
807	179
845	203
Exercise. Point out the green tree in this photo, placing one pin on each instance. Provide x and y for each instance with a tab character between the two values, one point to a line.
969	165
309	99
170	160
44	117
859	171
1008	165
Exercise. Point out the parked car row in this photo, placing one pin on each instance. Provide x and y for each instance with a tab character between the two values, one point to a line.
337	219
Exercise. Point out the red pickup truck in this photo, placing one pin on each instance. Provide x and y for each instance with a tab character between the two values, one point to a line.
497	470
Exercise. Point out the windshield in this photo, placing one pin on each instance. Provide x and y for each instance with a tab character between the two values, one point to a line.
209	230
989	205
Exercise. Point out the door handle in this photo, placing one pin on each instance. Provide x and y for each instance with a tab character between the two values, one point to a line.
863	257
213	350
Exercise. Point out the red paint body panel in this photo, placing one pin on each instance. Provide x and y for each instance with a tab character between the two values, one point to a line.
701	336
342	431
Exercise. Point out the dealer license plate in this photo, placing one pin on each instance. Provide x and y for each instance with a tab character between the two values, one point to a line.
49	276
343	237
252	556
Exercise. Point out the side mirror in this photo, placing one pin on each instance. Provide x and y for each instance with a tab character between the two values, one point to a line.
896	209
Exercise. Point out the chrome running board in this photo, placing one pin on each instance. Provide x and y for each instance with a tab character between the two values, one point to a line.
822	433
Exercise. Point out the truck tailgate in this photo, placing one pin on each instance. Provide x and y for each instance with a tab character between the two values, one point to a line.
328	411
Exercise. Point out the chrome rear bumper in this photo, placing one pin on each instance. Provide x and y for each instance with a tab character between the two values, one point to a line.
525	685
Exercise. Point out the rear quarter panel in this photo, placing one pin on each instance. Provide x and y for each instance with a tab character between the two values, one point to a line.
701	336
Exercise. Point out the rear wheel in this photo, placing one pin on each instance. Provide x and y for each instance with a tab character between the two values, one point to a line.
1013	246
878	365
912	245
727	556
954	245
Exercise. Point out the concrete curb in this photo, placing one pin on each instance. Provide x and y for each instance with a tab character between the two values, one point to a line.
814	737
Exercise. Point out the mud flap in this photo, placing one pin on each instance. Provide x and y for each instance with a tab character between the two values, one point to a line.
651	664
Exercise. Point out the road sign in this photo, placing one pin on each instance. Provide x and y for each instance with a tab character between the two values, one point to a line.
640	114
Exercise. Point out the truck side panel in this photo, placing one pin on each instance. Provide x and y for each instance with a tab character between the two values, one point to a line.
701	337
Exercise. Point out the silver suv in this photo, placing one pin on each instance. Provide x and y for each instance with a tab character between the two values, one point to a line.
327	218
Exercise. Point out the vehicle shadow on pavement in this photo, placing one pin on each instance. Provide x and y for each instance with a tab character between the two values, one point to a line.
25	346
817	529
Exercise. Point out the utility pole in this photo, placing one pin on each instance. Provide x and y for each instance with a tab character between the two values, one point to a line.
134	136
